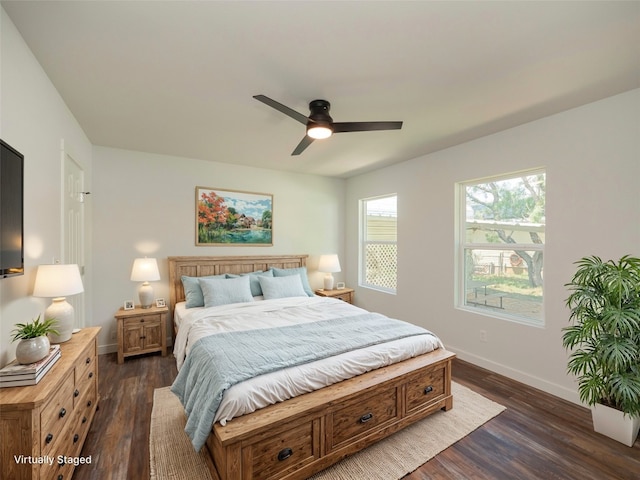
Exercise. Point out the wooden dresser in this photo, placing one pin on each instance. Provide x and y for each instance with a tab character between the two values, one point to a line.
48	422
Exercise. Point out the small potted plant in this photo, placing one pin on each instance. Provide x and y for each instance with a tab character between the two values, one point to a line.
34	344
605	341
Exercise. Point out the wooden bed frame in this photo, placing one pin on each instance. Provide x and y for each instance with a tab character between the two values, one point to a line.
296	438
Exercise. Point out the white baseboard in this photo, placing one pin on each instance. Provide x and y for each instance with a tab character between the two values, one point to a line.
113	347
530	380
103	349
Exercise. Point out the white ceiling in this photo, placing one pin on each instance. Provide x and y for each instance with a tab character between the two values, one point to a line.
178	78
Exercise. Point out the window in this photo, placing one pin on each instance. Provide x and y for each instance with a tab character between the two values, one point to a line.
378	243
501	246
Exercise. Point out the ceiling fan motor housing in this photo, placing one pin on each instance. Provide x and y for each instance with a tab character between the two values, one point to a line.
320	112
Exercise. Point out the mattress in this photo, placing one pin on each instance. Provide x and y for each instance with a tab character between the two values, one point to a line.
258	392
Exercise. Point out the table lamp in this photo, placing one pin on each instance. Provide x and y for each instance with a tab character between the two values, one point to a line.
145	270
329	264
57	282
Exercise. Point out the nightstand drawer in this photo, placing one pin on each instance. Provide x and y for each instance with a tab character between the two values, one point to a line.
146	320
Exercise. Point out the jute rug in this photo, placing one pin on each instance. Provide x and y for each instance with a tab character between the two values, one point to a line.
172	456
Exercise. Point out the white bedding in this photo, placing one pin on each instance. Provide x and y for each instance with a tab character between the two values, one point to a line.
250	395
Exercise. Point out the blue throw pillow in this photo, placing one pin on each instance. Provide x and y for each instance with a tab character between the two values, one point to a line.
192	291
282	287
302	271
256	290
217	291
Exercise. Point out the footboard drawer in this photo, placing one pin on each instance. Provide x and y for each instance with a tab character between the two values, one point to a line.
425	388
363	414
284	452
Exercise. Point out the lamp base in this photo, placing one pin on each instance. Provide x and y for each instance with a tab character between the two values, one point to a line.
62	311
328	282
145	292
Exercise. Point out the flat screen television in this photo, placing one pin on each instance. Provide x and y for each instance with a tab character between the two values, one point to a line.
11	211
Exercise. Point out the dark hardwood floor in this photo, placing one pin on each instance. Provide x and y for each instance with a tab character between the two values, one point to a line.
538	437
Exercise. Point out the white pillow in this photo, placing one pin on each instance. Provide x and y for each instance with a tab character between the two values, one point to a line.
282	287
218	291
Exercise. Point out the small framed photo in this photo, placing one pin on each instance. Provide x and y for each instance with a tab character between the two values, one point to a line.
129	305
340	285
160	302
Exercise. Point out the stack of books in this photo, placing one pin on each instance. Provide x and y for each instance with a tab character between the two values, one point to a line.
17	375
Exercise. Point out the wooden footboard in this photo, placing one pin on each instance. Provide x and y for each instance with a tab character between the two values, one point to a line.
301	436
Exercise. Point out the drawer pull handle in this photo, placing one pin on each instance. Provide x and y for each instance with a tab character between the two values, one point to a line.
365	418
76	437
84	419
63	412
90	374
89	403
49	438
76	392
284	454
88	360
60	477
428	390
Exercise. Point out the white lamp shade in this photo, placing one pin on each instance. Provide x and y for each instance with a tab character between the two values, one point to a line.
145	270
57	281
329	263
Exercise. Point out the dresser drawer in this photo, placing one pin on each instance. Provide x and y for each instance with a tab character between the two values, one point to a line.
87	364
57	471
364	414
425	388
284	452
55	416
85	377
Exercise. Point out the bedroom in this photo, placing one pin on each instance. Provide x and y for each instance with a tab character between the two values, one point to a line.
143	203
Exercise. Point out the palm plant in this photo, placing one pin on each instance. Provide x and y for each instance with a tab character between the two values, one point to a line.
605	332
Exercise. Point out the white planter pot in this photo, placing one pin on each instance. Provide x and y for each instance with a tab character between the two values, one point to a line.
615	424
30	350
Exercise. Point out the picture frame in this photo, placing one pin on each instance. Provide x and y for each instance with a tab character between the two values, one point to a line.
129	305
233	218
160	302
340	285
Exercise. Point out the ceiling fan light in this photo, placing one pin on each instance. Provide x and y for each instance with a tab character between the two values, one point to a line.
319	132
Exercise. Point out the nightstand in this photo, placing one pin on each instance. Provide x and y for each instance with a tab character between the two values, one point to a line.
141	330
345	294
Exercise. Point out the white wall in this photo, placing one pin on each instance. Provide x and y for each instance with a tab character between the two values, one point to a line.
34	120
592	159
144	204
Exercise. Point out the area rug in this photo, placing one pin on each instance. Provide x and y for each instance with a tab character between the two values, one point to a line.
172	456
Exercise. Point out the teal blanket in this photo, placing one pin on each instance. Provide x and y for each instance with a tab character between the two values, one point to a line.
219	361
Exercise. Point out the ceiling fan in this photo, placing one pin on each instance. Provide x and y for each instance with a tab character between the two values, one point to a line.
320	124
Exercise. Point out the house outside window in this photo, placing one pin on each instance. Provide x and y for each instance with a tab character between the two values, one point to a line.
501	241
378	243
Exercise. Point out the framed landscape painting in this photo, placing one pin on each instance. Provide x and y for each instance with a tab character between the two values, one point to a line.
228	217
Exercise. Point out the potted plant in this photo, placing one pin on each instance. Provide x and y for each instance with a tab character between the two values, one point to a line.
34	344
605	341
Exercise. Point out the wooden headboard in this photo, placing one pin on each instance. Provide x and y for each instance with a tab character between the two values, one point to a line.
203	266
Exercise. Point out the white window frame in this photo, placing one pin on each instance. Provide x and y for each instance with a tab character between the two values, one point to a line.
462	246
362	277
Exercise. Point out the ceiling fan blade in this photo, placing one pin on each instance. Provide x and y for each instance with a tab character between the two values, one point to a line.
304	143
339	127
282	108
